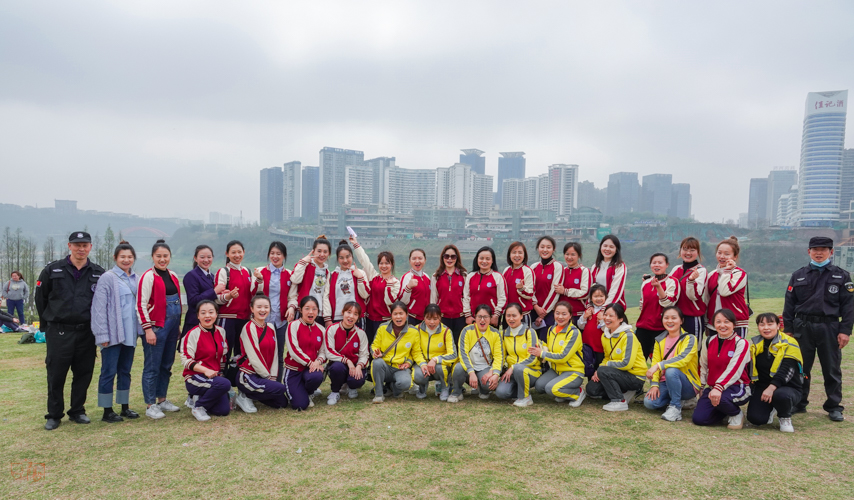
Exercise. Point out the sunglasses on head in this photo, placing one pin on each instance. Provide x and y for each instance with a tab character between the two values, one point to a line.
450	256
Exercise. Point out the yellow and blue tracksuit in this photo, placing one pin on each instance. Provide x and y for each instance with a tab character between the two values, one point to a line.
526	367
438	346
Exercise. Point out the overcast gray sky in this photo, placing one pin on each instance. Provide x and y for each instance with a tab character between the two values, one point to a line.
165	108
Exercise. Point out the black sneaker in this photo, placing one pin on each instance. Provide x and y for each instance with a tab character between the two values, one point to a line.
51	424
79	419
129	413
112	417
836	416
799	410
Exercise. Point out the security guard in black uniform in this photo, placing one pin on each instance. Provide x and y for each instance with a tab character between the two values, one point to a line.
819	312
64	300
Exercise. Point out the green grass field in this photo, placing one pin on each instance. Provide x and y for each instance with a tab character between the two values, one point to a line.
412	449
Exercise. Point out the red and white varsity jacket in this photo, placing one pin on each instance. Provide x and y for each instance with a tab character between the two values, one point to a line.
260	356
284	288
383	292
205	347
360	293
725	290
652	307
487	289
303	279
691	299
236	277
342	344
417	298
615	282
446	290
523	296
151	298
724	362
545	279
304	345
576	284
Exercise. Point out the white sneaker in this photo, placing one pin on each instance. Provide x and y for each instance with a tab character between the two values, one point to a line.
562	400
167	405
317	392
413	390
482	395
771	417
786	425
378	400
616	406
311	402
353	393
244	403
521	403
421	395
689	404
333	398
454	398
201	414
191	402
154	412
444	395
577	402
628	396
736	422
672	414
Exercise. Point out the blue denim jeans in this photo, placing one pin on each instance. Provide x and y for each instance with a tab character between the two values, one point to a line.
675	382
13	306
116	362
157	369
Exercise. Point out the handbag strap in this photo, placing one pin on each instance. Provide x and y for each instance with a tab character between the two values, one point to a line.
674	346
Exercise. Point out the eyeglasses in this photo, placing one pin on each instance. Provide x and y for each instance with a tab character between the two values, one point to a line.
449	256
481	317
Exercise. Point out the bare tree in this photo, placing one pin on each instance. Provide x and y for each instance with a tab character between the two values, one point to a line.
49	250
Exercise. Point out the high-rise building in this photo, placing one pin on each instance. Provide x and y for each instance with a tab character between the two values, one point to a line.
847	190
623	192
271	196
563	189
333	162
590	196
757	204
379	167
543	191
310	193
656	194
358	185
291	190
820	176
458	187
475	159
407	189
520	194
481	195
680	201
510	166
780	180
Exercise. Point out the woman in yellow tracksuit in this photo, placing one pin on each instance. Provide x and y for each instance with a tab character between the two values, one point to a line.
674	372
395	349
438	354
563	353
523	368
623	369
481	357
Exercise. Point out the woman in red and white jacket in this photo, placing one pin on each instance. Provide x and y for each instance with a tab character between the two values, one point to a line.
158	305
310	276
346	284
277	286
415	287
240	286
383	288
519	280
657	292
691	276
348	350
259	365
548	273
610	270
574	288
726	286
203	351
446	290
486	286
306	356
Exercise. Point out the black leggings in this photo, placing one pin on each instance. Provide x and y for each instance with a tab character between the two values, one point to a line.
647	340
783	400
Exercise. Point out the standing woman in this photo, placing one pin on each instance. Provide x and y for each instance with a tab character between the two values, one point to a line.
657	292
446	290
691	276
258	376
415	287
306	355
519	280
383	286
16	292
199	286
575	287
548	273
486	286
523	368
277	286
610	270
345	284
348	352
240	286
203	355
116	329
726	286
158	304
309	277
563	352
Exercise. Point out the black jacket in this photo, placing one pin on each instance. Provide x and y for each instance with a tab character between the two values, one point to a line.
816	293
60	298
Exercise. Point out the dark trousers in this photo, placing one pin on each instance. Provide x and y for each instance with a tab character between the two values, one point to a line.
783	400
300	385
212	393
647	340
16	305
116	363
456	326
731	399
233	327
339	374
613	383
543	331
821	339
68	349
371	328
414	321
695	325
269	392
280	346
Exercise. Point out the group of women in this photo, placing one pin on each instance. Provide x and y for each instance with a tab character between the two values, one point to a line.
272	335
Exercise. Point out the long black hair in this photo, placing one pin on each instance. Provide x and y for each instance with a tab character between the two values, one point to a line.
617	259
228	247
475	265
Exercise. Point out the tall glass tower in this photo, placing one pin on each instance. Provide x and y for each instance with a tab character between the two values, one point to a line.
820	179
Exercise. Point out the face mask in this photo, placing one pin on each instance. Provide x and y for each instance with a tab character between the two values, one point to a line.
820	264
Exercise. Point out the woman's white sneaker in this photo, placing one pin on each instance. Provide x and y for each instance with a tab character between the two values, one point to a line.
577	402
333	398
167	405
616	406
786	425
378	400
201	414
672	414
771	417
524	402
244	403
736	422
353	393
154	412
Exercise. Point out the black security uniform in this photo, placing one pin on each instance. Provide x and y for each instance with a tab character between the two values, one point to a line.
63	298
820	305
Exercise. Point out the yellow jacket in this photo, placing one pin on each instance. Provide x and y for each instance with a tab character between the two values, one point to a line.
516	346
685	358
563	350
623	351
782	346
407	349
469	342
439	346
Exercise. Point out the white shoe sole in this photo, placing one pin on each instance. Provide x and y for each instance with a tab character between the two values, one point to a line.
577	402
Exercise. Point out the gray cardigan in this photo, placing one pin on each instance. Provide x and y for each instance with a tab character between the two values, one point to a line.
8	290
107	323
